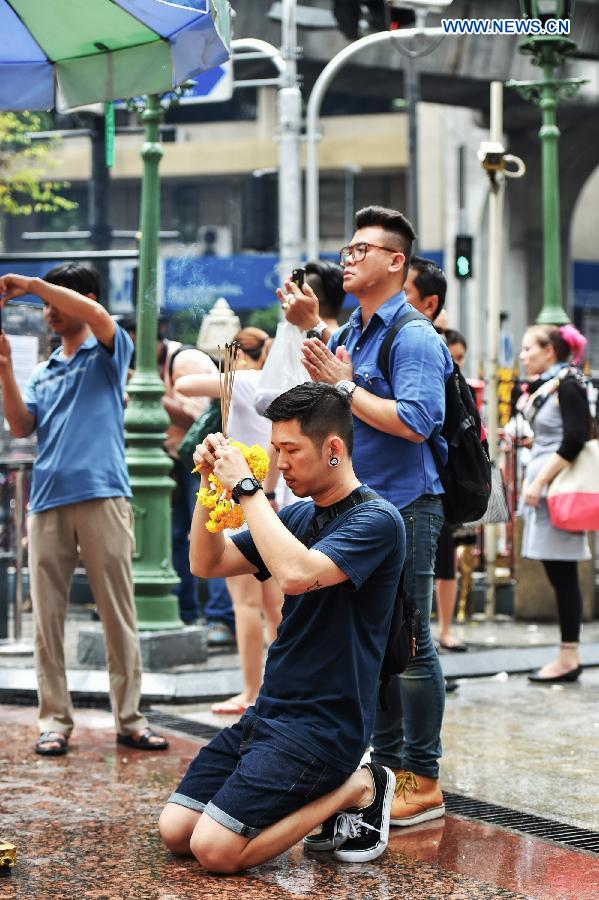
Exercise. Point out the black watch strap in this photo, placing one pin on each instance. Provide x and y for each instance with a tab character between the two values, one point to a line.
240	491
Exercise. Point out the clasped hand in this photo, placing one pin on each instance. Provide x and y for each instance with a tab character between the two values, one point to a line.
322	365
215	454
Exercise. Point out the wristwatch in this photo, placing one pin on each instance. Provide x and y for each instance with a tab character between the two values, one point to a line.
346	386
247	487
318	330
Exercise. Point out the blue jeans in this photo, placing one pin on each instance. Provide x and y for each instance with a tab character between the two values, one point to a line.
251	776
219	604
408	734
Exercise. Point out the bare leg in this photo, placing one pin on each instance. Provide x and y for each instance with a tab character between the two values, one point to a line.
221	850
447	595
176	825
246	594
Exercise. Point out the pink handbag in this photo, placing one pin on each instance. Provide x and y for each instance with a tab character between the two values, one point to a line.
573	495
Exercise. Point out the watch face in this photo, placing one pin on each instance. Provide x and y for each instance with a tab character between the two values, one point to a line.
247	484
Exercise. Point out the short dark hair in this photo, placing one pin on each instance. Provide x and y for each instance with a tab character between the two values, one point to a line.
389	220
331	278
453	336
320	409
429	279
80	277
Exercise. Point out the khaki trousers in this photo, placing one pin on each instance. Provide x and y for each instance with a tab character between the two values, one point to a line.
101	533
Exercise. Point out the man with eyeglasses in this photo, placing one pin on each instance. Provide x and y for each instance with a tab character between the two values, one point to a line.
394	425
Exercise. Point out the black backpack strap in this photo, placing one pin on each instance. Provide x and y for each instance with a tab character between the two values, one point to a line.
343	335
397	325
321	519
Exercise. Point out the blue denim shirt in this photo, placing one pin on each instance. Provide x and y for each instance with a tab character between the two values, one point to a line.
420	364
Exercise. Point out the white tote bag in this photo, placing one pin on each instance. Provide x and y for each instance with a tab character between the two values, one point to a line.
573	495
283	368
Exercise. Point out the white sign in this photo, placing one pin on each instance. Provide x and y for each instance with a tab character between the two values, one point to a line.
213	86
25	351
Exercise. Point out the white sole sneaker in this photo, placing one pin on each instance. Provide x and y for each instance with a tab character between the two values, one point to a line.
425	816
381	845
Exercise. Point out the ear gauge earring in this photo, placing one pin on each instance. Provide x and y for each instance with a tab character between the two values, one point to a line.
333	461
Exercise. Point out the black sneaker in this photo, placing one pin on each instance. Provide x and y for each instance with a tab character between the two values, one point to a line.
329	837
368	828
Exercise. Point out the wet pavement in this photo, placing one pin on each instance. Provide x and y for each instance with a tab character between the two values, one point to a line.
85	824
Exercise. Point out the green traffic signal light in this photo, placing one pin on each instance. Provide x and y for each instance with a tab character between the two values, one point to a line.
463	256
463	267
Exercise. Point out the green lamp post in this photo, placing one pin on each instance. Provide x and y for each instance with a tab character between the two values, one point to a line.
549	51
146	419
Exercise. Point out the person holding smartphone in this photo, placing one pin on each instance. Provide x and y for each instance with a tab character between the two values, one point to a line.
313	298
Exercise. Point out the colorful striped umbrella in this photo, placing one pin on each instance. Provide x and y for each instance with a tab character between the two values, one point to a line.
68	53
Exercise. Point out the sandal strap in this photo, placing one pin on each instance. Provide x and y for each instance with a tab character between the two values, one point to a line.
52	737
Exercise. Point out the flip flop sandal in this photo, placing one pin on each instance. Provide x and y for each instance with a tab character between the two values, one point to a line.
228	709
52	737
144	742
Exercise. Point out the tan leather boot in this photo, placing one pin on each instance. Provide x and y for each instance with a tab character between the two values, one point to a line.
417	799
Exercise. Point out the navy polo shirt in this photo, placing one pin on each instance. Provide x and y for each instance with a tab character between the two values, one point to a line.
78	407
420	364
322	671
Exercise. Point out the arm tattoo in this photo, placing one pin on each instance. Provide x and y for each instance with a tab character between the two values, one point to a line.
314	587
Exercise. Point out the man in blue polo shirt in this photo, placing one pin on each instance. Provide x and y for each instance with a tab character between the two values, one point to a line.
394	424
79	500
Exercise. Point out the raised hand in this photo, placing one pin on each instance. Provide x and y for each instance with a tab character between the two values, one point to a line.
204	455
12	286
322	365
300	305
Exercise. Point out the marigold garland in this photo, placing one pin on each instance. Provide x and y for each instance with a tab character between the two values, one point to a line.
224	512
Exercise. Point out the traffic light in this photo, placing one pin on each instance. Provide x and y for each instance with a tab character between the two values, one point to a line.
355	15
463	256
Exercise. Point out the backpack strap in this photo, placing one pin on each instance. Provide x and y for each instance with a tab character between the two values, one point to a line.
330	513
385	351
343	335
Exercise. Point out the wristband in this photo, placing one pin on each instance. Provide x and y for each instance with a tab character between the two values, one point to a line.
270	495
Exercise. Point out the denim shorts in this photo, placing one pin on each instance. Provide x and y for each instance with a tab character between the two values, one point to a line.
251	776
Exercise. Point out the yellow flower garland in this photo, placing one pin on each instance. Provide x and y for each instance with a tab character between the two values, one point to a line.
224	512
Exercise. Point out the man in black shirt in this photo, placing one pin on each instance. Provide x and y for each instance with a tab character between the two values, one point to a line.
291	762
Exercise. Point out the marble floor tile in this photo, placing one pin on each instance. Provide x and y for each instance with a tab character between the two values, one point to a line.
85	827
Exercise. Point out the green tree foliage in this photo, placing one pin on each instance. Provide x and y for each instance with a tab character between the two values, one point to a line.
24	184
266	319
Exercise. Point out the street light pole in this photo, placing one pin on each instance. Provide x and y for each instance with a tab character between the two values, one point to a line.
548	52
313	112
289	103
146	419
497	164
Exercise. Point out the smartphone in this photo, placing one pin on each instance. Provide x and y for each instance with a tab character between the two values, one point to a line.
298	277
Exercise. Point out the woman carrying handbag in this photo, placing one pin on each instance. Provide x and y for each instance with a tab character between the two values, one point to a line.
556	406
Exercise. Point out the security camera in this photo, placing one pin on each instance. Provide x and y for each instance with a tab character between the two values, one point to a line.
491	155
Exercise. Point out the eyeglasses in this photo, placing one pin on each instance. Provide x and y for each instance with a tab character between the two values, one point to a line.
357	252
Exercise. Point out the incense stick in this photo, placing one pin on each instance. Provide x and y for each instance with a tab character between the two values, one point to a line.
227	359
227	363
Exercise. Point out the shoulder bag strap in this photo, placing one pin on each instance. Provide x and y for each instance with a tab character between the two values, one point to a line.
321	519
